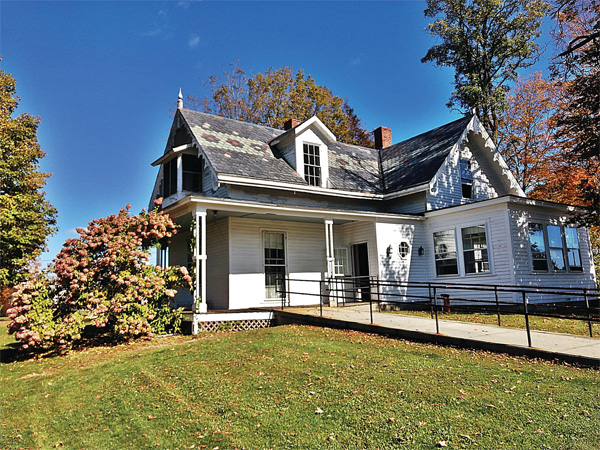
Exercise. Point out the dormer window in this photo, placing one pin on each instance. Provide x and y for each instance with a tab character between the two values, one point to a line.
312	164
466	178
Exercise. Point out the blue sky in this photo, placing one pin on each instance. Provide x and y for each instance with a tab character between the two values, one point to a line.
104	77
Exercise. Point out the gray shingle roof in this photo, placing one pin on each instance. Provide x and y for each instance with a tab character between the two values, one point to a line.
416	160
242	149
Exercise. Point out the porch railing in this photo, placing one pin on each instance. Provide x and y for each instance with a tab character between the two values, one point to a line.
578	304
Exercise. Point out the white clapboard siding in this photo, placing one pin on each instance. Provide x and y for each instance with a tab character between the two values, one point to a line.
446	187
305	256
395	268
217	264
357	233
408	204
520	217
499	247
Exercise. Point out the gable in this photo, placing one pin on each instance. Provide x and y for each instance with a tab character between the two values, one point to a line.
472	163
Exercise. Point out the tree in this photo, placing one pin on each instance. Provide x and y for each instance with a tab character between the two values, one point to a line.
526	130
277	95
577	67
101	279
26	217
487	42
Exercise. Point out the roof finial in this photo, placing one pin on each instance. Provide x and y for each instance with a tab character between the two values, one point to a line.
180	100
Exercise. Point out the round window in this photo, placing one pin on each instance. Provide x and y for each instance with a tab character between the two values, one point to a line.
403	249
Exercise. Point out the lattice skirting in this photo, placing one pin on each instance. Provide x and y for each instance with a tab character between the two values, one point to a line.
234	325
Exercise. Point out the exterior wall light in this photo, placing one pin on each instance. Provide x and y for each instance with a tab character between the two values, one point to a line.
421	251
388	251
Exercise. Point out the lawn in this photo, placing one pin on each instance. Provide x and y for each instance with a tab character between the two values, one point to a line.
536	323
295	387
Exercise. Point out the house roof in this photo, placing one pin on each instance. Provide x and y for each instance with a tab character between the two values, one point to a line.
242	149
416	160
239	148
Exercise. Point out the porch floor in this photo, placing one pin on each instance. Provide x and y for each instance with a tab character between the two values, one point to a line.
545	345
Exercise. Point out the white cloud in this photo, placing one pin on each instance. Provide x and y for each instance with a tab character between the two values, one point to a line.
355	62
193	40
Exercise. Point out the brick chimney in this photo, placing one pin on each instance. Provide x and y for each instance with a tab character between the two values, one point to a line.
383	137
290	123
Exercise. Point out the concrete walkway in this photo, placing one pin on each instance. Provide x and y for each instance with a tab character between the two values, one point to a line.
546	345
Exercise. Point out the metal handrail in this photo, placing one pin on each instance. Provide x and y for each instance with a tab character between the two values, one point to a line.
346	288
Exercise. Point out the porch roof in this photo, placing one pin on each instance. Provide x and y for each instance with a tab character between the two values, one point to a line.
223	207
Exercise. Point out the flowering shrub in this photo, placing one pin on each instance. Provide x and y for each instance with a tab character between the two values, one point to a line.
102	279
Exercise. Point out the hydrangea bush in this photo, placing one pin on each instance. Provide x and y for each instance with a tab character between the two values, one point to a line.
101	279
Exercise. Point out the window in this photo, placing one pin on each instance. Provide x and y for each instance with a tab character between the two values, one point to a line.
312	165
466	178
559	245
403	249
170	178
557	257
573	254
340	265
475	249
446	262
192	172
274	257
538	247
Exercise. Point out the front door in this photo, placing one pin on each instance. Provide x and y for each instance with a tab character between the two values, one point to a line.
360	271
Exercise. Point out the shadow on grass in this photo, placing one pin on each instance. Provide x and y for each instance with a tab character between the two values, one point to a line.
11	352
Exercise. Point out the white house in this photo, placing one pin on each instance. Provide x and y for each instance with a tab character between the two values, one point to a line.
257	205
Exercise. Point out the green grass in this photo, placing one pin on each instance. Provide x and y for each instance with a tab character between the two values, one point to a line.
295	387
537	323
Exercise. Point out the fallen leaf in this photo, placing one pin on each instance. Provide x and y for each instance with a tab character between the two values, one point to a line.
318	411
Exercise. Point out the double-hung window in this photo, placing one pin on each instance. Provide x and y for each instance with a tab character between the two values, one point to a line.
274	260
554	248
475	249
466	178
312	164
446	261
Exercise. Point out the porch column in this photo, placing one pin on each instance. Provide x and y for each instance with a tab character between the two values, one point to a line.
329	246
199	306
179	174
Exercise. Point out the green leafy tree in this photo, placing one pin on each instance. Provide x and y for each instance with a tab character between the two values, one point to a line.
487	42
102	280
272	97
26	217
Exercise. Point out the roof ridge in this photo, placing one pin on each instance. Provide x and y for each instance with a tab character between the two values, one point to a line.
230	119
466	119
